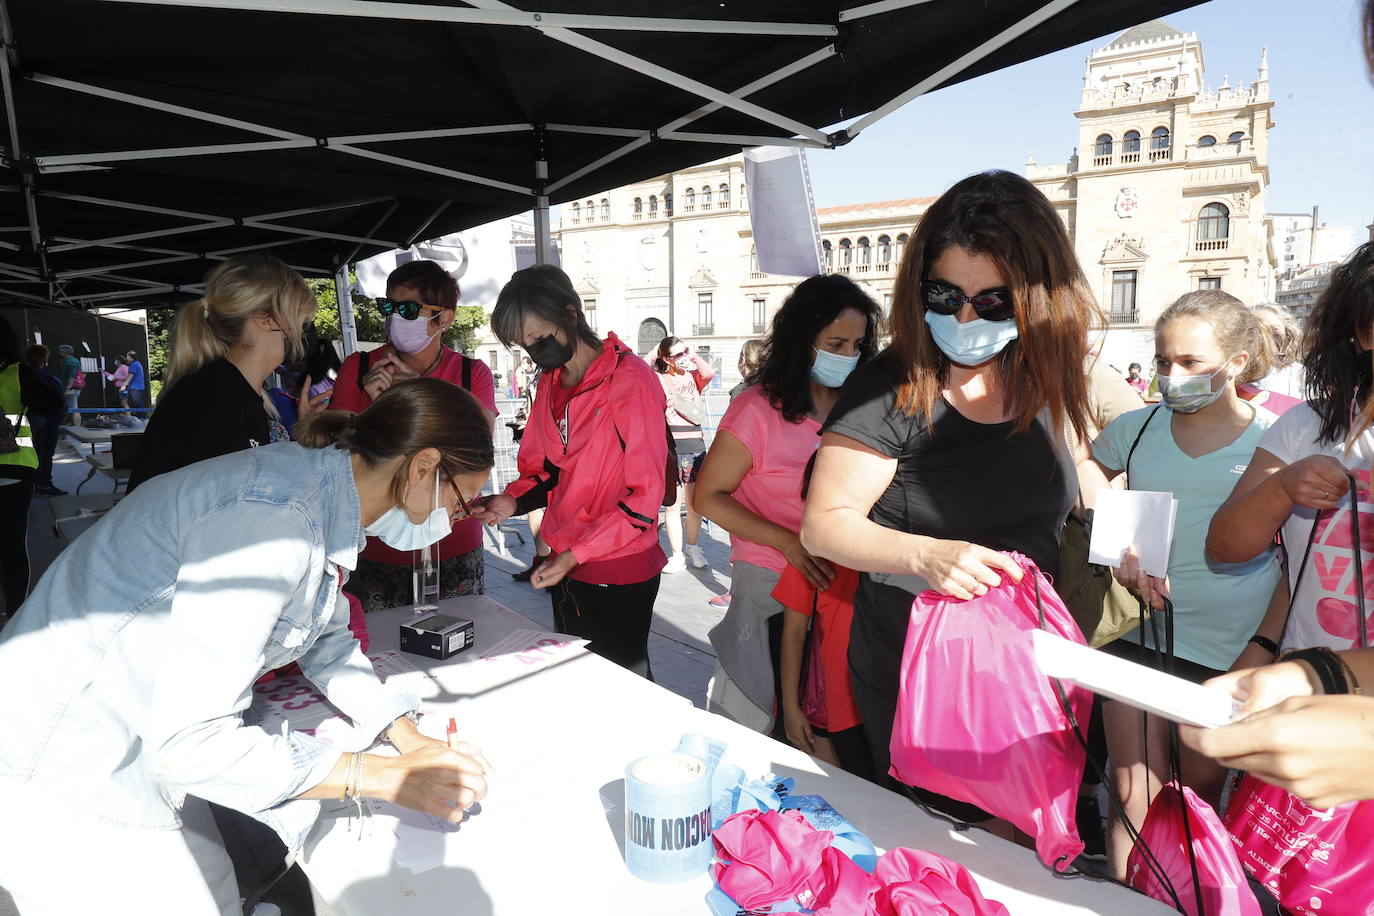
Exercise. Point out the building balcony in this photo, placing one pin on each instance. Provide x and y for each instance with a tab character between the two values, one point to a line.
1123	316
1211	244
703	330
759	328
1228	150
1133	157
1161	155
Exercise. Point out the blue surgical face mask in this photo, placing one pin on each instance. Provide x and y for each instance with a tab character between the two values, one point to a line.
831	369
397	531
973	342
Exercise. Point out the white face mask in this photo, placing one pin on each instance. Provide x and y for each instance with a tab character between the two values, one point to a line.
397	531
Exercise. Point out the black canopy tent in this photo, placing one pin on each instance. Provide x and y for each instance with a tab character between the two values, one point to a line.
147	139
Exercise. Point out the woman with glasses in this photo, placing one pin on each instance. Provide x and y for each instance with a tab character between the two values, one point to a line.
420	306
684	375
222	350
948	447
137	652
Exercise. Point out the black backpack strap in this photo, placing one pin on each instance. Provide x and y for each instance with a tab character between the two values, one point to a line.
364	359
1138	436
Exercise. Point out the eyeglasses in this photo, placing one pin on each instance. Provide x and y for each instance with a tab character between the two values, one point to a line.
407	310
466	510
990	305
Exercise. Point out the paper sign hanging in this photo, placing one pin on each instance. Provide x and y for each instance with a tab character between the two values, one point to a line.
781	211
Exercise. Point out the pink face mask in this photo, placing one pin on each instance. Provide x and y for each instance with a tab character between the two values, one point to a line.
409	336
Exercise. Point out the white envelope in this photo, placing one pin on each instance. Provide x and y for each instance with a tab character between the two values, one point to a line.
1139	518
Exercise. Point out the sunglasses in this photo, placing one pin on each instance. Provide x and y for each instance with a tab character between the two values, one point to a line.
407	310
990	305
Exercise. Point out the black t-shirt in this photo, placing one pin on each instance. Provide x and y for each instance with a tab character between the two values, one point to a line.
211	412
956	480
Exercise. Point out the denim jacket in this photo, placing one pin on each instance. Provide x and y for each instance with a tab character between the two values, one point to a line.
126	673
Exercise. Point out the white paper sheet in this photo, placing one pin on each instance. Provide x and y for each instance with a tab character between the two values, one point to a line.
1133	518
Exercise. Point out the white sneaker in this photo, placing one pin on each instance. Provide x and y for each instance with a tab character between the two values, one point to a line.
676	564
695	556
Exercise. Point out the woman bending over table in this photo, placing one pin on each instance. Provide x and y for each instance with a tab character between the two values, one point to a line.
136	655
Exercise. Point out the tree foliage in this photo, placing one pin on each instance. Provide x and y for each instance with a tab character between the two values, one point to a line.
370	322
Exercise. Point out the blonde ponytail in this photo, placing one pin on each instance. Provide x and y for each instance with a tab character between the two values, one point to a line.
235	291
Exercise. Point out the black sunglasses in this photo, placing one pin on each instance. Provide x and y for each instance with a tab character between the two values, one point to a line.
407	310
990	305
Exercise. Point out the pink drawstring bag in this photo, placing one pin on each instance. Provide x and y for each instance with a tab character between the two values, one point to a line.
976	719
912	882
1312	861
1224	890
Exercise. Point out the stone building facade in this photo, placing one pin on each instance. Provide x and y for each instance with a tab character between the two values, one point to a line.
1166	190
674	255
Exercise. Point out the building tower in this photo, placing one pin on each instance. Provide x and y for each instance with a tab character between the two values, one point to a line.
1167	191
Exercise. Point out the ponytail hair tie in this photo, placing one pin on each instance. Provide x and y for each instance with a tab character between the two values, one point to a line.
205	309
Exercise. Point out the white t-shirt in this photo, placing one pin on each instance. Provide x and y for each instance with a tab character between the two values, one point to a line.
1324	610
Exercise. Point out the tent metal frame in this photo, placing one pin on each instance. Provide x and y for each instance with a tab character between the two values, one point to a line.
565	28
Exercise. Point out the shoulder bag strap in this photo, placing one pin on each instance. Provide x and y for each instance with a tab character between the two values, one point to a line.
364	359
467	372
1138	436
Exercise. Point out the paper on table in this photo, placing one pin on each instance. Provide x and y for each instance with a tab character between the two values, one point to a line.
1139	518
533	647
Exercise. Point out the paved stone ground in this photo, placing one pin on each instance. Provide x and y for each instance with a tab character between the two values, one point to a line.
678	648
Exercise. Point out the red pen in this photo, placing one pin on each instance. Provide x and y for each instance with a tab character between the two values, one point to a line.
452	734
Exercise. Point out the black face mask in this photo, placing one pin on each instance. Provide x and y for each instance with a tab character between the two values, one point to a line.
548	352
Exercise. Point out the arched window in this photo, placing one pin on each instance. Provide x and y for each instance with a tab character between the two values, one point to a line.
725	197
865	258
846	255
691	196
639	208
1130	146
1213	228
884	249
576	214
605	209
1104	146
653	206
668	204
1159	144
1206	140
828	254
1236	138
901	246
706	198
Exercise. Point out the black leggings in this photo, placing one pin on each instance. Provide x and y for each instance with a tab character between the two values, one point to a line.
614	619
14	542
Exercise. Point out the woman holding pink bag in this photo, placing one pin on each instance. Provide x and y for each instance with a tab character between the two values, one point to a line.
947	448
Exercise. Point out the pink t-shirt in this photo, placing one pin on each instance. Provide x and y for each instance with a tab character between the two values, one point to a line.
772	487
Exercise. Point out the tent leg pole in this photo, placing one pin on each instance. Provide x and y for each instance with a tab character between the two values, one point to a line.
348	328
542	235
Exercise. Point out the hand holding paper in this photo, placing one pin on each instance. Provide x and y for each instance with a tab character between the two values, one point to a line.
1125	519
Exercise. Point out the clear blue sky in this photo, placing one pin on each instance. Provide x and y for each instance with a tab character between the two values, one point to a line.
1320	147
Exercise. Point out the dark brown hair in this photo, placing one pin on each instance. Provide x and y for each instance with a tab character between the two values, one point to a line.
1337	369
428	279
1236	328
407	417
661	363
36	355
1005	218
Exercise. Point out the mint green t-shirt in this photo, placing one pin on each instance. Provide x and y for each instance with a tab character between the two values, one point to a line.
1217	606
